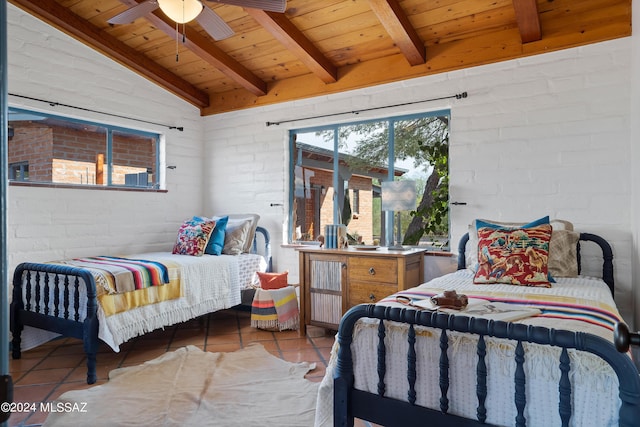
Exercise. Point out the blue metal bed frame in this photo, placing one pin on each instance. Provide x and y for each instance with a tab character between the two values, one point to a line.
57	316
350	403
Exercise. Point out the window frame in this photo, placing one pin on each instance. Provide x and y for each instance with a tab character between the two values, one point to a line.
18	166
110	129
391	120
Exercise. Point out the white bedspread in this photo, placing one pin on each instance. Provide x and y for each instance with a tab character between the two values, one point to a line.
209	283
595	387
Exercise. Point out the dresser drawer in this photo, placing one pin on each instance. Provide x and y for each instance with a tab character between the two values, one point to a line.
334	280
372	269
365	293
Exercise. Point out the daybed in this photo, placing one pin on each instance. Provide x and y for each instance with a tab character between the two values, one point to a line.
397	364
117	298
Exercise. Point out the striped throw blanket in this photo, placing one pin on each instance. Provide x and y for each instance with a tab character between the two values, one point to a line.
119	275
275	309
550	307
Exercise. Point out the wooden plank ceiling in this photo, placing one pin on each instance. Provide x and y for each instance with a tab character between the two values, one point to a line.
327	46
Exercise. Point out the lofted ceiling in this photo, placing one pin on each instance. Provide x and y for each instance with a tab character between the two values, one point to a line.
318	47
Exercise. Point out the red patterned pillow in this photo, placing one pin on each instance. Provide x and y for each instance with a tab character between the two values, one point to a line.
517	256
273	280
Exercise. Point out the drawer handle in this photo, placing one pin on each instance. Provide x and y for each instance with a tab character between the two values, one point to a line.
372	271
372	297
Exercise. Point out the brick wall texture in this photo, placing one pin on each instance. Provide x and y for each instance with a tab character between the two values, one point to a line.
67	155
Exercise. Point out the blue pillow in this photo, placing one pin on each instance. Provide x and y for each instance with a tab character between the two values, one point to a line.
480	223
216	241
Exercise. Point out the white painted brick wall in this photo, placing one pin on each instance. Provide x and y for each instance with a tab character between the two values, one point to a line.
46	223
546	135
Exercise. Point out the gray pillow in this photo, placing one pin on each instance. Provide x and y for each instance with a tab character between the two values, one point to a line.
240	239
563	257
236	236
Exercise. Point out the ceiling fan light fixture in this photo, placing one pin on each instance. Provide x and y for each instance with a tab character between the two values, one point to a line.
181	11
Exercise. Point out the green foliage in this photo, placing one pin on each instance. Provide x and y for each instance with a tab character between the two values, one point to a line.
426	141
436	215
423	139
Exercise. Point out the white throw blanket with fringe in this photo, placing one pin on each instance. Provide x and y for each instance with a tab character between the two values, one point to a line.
594	384
209	283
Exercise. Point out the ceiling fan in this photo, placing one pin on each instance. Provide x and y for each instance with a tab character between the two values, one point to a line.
183	11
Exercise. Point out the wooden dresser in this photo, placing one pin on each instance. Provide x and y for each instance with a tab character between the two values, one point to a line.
333	280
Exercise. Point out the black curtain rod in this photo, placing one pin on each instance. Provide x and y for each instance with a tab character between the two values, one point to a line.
58	104
458	96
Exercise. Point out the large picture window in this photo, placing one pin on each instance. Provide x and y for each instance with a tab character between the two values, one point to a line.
337	173
44	148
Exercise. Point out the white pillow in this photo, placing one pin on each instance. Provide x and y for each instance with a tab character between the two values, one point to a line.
236	236
239	238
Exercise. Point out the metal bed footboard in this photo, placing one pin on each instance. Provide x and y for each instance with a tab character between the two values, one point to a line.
377	408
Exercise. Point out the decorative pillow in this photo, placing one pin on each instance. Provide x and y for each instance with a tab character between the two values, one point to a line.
471	255
273	280
216	241
561	224
235	236
193	236
563	256
253	218
517	256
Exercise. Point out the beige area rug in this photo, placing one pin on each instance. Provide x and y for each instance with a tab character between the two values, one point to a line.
190	387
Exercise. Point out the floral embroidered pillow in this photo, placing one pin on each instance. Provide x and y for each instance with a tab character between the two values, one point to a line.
471	256
193	236
515	256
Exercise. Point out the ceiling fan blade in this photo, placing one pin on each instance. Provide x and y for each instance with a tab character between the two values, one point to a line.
134	12
269	5
213	24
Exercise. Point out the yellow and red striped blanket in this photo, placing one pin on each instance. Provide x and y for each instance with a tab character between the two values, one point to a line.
119	275
126	283
275	309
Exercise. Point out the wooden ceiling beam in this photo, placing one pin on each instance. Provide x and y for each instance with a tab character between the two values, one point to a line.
283	30
209	52
528	20
395	21
60	17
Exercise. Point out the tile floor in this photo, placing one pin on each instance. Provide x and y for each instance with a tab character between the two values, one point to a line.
44	373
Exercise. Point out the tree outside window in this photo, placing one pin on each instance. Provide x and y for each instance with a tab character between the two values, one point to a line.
334	165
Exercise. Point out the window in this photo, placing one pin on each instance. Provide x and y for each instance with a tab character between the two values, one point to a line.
19	171
337	172
44	148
